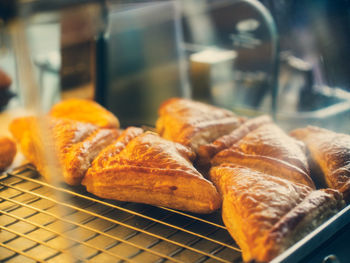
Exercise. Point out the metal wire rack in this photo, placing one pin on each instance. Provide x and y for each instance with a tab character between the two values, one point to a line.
36	227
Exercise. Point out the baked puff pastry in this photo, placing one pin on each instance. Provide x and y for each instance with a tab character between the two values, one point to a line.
194	123
86	111
60	144
261	145
330	155
266	214
7	152
145	168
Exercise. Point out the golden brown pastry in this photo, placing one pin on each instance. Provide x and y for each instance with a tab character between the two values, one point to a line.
84	111
74	144
194	123
143	167
261	145
7	152
330	153
266	214
207	151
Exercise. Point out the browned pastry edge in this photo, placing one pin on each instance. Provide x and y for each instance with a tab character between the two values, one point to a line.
143	167
315	209
76	163
112	150
264	164
342	176
345	190
329	154
251	204
201	134
160	187
7	152
338	178
60	147
195	136
207	152
193	133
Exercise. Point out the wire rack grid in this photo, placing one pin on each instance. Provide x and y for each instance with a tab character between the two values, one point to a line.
36	227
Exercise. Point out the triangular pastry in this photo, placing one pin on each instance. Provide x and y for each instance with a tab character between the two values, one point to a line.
143	167
266	214
330	155
260	144
74	144
194	123
83	110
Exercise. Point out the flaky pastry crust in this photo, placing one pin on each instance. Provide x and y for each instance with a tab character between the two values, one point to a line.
266	214
330	151
261	145
194	123
143	167
62	144
207	151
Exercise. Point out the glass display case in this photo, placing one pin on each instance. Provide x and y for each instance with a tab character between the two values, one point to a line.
286	59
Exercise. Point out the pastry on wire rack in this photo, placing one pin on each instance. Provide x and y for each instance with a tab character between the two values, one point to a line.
7	152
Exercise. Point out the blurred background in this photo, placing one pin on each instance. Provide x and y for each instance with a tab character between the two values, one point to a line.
286	58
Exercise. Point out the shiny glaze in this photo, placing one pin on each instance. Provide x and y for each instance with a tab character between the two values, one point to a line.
266	214
149	169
